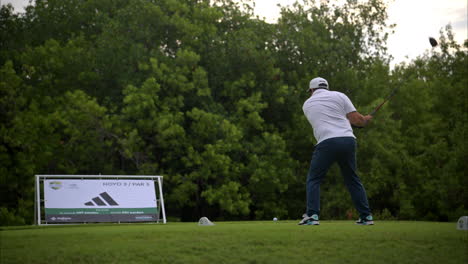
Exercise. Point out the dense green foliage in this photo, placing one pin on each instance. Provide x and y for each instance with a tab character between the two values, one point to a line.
238	242
210	97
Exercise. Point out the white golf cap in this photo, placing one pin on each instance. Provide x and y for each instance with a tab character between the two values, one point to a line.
318	83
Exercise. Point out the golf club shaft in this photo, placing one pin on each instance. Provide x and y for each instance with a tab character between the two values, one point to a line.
377	108
380	105
385	101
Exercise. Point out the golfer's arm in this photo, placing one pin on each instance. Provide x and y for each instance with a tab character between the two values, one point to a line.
358	120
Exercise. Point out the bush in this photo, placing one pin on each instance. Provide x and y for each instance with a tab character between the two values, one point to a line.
8	218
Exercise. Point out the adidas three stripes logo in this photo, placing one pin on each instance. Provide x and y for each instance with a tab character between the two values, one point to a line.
100	202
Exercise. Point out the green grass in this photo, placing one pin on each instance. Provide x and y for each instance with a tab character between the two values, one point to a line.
237	242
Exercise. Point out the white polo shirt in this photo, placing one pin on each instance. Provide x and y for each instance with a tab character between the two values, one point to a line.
326	111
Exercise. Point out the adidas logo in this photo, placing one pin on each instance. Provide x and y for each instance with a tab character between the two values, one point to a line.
99	202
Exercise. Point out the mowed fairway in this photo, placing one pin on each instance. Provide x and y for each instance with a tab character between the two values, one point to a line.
238	242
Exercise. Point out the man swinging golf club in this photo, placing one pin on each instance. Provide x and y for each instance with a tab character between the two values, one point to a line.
331	115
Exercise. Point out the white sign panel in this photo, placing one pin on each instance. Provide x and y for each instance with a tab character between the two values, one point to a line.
99	200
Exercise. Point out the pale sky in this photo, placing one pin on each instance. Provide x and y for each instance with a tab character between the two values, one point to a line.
416	20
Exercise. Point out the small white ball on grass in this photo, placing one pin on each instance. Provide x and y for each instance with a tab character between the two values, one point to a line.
275	219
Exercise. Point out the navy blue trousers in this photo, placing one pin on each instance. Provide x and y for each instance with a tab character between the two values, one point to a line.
343	151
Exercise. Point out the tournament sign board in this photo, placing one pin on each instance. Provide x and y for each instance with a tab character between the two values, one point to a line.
90	199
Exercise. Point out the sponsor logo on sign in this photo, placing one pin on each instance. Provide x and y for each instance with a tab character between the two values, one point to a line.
105	201
55	185
61	218
73	186
143	217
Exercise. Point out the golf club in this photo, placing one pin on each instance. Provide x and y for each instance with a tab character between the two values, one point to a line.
433	42
373	112
385	101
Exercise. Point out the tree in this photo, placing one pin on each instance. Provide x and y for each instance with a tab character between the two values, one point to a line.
209	96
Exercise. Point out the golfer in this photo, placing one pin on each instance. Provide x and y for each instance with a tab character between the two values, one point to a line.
331	115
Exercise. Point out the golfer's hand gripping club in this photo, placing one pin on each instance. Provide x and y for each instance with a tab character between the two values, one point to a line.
358	120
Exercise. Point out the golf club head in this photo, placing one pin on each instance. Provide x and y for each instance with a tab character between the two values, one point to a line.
433	41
